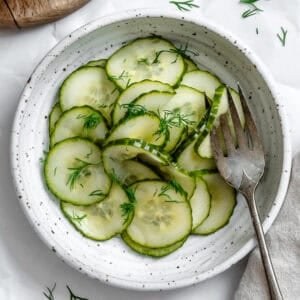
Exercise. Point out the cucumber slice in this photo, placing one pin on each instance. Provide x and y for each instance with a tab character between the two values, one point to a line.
190	161
189	103
103	220
184	110
162	216
190	65
135	91
54	116
89	86
97	63
126	149
153	101
155	252
202	81
74	172
130	171
179	176
144	127
146	58
223	201
82	122
200	202
219	106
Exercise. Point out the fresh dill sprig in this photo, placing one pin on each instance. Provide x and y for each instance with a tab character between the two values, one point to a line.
74	176
49	294
177	187
73	296
144	61
78	218
133	109
128	207
181	51
172	184
123	77
282	36
42	160
90	121
114	177
253	10
98	193
172	119
184	5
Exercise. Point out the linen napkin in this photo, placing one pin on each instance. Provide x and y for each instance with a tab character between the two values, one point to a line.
283	240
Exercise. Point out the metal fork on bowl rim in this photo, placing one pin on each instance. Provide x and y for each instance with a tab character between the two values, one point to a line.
242	166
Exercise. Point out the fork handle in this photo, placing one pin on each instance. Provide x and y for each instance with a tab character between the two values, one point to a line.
275	292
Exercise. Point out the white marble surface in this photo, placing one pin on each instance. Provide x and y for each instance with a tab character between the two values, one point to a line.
27	266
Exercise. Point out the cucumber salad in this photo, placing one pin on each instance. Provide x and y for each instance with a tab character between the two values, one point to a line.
129	148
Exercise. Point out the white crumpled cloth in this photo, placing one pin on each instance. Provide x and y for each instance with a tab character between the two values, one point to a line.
283	240
27	266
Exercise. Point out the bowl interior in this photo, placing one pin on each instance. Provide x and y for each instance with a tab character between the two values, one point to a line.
113	261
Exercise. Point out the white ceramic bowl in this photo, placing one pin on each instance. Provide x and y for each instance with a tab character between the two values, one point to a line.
112	261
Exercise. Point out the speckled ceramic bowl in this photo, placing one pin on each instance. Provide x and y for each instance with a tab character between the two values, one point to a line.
112	261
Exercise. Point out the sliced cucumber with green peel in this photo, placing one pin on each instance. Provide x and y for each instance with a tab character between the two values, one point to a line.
223	201
184	110
178	176
200	202
89	86
74	172
155	252
190	161
146	58
153	101
202	81
219	106
130	171
54	116
189	103
190	65
97	63
82	122
144	127
103	220
135	91
162	215
126	149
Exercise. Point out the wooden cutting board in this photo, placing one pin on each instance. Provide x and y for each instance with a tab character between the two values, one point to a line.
26	13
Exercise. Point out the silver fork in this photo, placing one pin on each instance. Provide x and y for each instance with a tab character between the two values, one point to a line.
242	167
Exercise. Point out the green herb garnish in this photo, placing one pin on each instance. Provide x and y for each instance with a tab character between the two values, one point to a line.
123	77
49	294
73	296
77	218
181	51
128	207
133	109
97	193
253	10
90	121
172	184
172	119
77	171
184	5
144	61
282	36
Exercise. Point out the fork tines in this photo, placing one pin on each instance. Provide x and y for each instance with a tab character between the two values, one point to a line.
246	134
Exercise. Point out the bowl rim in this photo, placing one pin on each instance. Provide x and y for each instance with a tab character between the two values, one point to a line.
235	41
